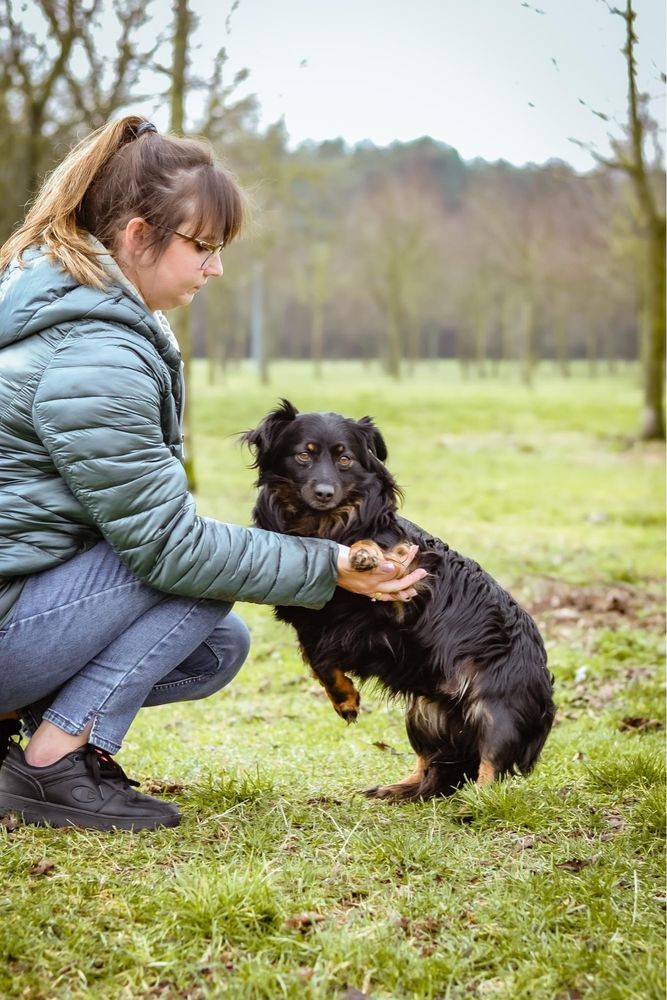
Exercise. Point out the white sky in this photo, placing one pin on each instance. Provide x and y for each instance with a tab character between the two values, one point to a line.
476	74
492	78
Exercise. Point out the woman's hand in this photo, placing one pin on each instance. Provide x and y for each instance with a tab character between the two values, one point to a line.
379	584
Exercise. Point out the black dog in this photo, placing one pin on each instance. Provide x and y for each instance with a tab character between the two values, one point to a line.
469	662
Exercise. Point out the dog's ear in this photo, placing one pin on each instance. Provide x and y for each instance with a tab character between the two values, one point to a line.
261	439
373	437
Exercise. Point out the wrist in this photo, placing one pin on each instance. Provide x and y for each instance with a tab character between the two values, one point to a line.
343	559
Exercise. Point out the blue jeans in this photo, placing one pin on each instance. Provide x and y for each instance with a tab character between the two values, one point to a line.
87	641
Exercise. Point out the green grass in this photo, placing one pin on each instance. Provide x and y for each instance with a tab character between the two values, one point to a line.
282	881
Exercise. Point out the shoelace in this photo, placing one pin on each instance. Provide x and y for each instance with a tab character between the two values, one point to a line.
102	765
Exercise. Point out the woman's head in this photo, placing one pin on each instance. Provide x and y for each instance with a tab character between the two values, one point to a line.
123	172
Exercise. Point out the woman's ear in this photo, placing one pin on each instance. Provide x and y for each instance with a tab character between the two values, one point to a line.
134	238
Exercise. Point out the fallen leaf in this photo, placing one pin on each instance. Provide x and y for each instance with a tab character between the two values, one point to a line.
615	820
524	843
301	921
638	723
42	867
9	822
156	787
576	864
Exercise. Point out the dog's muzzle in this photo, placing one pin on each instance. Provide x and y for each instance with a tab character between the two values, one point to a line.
322	496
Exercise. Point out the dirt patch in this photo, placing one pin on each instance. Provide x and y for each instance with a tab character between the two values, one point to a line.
561	609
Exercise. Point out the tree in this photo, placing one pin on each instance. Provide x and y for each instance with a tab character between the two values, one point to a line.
44	99
648	184
652	214
397	227
182	26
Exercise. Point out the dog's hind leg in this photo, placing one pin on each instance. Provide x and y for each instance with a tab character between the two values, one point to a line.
407	788
442	765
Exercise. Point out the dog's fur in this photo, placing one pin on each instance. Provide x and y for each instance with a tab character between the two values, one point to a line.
469	662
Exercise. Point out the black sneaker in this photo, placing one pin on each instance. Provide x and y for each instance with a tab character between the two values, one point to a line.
84	788
8	728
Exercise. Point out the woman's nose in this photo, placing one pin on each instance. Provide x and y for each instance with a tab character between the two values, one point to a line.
213	267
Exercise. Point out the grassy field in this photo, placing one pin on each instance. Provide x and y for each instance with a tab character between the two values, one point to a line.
283	881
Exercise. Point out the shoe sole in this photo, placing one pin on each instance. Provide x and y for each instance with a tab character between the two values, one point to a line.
62	816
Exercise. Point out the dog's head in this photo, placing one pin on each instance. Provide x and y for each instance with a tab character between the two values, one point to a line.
325	459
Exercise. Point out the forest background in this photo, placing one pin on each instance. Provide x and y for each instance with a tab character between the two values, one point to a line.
397	253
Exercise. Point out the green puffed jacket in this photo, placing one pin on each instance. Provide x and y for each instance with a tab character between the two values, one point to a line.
91	398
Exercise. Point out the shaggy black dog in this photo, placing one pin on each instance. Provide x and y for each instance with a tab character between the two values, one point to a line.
468	661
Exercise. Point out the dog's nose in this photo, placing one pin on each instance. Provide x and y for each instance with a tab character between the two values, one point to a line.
324	491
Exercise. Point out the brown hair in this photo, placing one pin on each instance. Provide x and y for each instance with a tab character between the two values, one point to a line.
120	172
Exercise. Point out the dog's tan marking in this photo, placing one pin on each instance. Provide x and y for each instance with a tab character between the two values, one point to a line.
487	773
342	694
407	788
416	774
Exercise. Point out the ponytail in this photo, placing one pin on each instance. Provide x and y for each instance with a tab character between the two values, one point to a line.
122	170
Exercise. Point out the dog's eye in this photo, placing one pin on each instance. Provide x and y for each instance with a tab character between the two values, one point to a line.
303	456
345	461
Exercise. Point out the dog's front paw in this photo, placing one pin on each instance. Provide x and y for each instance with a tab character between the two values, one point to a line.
365	556
349	709
341	692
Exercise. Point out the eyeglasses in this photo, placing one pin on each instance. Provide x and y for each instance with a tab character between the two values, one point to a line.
211	249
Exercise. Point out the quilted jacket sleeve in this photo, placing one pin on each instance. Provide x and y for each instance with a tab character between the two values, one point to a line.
98	411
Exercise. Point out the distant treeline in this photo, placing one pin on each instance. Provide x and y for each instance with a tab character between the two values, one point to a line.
397	253
409	252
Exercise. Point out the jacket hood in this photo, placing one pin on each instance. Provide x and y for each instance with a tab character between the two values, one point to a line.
41	294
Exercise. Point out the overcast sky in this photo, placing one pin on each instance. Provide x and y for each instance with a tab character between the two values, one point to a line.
493	78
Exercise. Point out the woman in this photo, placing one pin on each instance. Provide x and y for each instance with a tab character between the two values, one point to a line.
114	592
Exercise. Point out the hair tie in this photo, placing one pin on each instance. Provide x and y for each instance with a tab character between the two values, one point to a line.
145	127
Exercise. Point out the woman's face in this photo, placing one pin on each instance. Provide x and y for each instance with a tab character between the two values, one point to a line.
174	278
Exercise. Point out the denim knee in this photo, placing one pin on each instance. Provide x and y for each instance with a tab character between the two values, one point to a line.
210	667
230	644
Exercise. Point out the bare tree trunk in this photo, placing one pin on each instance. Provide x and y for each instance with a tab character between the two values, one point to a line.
527	332
318	297
258	323
182	322
653	416
481	342
561	343
653	220
215	345
393	318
